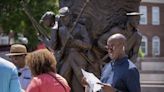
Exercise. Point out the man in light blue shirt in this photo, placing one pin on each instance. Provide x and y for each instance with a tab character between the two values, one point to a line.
9	81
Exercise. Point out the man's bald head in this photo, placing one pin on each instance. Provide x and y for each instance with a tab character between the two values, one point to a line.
118	38
116	46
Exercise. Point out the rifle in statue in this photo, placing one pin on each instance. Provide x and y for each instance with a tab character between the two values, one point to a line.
72	29
35	24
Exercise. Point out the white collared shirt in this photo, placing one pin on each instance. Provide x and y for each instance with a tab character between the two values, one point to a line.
25	77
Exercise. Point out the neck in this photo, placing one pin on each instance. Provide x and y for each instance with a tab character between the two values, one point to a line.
52	24
121	55
129	28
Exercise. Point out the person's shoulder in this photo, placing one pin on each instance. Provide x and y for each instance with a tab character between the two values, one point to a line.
6	64
106	67
131	65
26	69
131	70
62	79
59	77
36	80
26	73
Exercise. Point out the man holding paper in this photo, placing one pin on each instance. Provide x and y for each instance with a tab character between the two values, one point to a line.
119	75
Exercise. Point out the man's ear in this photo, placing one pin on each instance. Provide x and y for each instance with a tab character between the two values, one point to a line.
123	48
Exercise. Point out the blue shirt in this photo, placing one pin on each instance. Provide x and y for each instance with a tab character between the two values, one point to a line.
122	74
25	77
8	77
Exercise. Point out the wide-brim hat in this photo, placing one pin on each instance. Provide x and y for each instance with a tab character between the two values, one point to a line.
17	49
134	14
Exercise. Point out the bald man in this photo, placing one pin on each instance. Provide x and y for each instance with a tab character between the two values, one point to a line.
119	75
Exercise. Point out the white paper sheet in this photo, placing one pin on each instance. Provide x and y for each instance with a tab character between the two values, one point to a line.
92	80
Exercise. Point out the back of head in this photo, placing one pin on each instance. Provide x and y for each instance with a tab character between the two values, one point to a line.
41	61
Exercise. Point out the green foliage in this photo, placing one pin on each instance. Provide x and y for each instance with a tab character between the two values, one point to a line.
141	53
12	17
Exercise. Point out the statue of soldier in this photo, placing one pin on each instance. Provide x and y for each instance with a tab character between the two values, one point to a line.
49	20
76	45
133	36
127	27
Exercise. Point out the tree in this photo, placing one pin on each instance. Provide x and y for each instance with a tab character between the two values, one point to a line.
12	17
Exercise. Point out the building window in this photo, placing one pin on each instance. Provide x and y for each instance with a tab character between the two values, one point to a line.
144	45
143	18
4	40
155	46
155	16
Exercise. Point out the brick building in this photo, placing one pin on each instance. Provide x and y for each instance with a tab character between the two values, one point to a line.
152	27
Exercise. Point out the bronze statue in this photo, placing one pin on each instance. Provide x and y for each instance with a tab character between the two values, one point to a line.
131	33
133	36
83	47
77	44
49	20
102	16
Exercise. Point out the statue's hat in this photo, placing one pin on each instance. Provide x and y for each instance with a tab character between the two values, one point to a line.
134	14
64	11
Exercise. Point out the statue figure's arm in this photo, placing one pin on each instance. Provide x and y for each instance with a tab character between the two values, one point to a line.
136	47
54	36
85	42
103	39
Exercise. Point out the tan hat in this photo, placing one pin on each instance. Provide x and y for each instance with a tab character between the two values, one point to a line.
17	49
134	14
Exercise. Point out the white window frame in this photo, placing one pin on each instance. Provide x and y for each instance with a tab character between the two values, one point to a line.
155	40
4	40
155	15
145	40
143	18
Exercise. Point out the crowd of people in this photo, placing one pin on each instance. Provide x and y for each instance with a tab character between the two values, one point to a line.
38	71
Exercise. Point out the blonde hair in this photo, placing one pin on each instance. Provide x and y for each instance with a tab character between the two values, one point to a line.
41	61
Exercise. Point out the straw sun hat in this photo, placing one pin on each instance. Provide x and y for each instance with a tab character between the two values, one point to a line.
17	49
